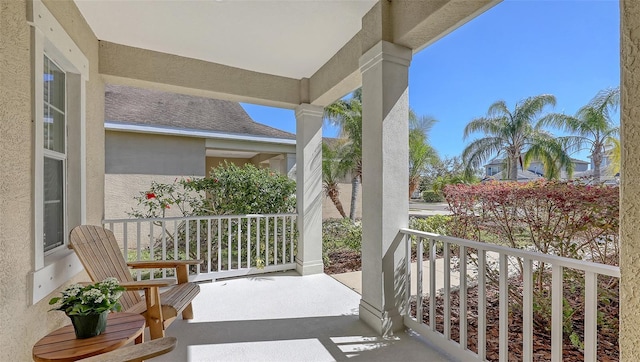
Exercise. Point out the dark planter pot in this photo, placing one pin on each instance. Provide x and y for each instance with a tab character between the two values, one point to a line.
87	326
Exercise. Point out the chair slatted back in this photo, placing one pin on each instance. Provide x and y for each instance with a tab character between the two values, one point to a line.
98	250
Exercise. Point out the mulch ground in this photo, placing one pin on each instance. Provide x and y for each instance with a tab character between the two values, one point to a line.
607	333
348	261
343	261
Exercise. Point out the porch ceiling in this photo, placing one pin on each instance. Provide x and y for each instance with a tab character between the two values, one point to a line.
286	38
281	53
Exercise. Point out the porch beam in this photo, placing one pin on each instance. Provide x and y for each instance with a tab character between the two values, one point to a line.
629	176
385	115
136	67
309	188
412	24
418	24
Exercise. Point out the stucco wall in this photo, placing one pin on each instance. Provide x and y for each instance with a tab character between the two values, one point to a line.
138	153
23	324
329	210
217	161
629	185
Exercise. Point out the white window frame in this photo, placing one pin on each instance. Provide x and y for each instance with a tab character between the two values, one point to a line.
49	38
58	156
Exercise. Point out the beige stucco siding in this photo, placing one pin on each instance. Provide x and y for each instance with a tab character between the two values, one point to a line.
139	153
329	210
629	185
217	161
22	323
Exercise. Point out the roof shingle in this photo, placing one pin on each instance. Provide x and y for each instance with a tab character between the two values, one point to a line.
125	104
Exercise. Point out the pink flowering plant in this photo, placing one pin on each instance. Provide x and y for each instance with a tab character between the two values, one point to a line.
90	299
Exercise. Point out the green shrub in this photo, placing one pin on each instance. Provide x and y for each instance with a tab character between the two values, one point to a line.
437	224
432	196
340	234
230	190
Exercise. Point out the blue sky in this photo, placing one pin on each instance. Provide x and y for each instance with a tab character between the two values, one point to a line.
519	48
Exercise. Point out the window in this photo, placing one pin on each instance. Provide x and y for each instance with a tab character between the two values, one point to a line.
60	71
55	154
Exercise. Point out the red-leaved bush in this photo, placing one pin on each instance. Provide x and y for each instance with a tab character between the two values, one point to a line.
561	218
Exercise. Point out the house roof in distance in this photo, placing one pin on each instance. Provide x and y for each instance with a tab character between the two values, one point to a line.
138	106
500	161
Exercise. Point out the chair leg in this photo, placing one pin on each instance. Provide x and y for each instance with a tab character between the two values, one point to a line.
187	312
154	313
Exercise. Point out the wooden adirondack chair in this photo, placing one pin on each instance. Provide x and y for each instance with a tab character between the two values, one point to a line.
101	257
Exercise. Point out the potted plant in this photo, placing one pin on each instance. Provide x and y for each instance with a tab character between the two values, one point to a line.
88	305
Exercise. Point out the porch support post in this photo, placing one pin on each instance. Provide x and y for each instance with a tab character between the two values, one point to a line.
629	176
385	206
309	188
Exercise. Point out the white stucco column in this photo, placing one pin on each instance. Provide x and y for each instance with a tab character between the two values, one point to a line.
309	188
385	206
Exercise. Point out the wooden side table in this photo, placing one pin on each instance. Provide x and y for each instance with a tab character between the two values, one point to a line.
62	344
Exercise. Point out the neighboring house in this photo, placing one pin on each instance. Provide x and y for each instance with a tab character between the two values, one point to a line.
606	175
159	136
494	169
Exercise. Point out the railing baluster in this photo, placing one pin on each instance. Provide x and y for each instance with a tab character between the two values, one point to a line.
209	245
164	246
138	241
556	313
420	278
219	244
504	310
291	236
407	311
284	241
187	240
239	243
199	240
463	297
175	241
275	240
527	311
248	242
257	239
266	241
447	290
151	251
229	244
590	316
482	304
432	284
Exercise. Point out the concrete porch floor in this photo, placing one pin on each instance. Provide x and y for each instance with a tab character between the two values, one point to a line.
286	317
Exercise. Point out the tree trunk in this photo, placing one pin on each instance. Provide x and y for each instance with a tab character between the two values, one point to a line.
596	157
334	196
413	185
513	168
355	182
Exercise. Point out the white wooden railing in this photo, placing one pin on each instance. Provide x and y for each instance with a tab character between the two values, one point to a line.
230	245
477	255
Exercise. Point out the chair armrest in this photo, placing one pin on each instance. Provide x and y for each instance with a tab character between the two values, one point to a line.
145	284
155	264
182	272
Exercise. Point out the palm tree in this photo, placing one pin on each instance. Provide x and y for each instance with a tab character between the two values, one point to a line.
512	133
613	153
347	114
421	154
331	173
592	126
